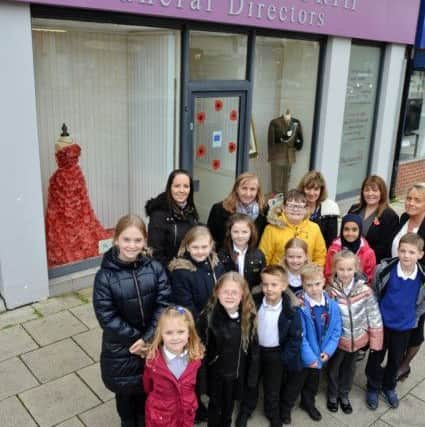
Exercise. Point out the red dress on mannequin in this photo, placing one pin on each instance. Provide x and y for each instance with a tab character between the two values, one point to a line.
72	228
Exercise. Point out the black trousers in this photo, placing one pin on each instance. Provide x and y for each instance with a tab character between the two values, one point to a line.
341	369
395	343
222	393
305	382
271	372
131	406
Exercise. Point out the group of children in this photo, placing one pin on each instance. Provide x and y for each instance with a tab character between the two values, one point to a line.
235	322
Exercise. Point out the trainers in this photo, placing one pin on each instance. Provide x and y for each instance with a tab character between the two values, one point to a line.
391	398
372	399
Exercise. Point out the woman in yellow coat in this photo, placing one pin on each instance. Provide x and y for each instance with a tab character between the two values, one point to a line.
289	220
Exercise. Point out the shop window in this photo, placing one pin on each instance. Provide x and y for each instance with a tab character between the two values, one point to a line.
217	56
413	140
283	110
359	118
114	87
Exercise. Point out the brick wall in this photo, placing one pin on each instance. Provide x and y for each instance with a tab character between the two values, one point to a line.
408	174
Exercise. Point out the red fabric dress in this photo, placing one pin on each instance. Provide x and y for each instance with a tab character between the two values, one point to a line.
72	228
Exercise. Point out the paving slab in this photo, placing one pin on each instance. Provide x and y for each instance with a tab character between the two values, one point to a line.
380	423
54	328
59	400
91	376
2	306
14	341
13	414
56	360
14	378
409	413
419	391
18	315
73	422
86	314
57	304
90	342
86	293
103	416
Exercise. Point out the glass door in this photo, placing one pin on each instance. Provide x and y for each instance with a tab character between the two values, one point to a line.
216	145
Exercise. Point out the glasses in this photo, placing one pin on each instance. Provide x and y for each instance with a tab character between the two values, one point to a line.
294	207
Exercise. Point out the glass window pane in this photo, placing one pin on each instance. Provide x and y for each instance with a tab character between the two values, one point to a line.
359	117
114	87
285	82
217	56
413	141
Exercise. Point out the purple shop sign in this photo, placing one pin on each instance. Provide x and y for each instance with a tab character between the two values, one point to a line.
383	20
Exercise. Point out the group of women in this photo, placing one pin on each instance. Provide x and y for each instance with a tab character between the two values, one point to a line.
243	233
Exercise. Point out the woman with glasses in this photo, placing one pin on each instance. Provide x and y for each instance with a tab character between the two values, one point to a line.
289	220
323	211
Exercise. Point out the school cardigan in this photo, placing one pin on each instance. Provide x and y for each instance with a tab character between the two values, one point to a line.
311	347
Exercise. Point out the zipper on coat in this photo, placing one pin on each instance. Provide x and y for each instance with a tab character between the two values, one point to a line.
139	298
175	235
350	314
239	359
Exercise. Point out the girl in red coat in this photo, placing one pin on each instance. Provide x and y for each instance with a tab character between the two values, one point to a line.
172	364
351	238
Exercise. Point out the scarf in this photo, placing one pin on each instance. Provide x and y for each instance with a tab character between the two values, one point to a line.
252	210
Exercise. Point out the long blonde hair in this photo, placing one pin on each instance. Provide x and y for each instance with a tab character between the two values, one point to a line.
132	220
247	306
195	348
230	203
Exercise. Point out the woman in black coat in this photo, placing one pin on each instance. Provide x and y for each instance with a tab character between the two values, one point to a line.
246	197
379	221
172	214
323	211
130	291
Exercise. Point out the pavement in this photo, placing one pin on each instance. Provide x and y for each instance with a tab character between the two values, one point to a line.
50	375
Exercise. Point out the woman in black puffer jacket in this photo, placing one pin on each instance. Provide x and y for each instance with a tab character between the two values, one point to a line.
130	291
171	215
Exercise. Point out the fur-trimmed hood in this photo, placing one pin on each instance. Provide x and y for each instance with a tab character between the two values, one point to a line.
186	263
158	203
277	217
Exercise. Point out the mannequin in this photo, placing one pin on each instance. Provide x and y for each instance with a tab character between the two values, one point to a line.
284	139
72	228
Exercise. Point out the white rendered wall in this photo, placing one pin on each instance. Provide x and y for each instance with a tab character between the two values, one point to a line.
393	72
23	265
334	86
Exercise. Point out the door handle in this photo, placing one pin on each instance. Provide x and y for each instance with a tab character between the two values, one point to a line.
191	126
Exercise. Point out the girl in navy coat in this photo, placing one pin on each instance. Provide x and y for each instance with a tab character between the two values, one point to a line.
171	368
130	291
240	251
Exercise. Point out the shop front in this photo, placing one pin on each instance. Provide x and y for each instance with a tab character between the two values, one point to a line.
216	87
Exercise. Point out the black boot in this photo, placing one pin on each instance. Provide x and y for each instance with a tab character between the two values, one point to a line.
129	422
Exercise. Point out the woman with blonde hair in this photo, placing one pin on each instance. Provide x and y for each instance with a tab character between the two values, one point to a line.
246	197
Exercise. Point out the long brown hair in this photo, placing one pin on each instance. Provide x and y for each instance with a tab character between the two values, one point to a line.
375	181
132	220
195	349
240	217
230	203
247	306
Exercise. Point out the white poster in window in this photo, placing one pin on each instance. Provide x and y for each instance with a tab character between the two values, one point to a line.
217	139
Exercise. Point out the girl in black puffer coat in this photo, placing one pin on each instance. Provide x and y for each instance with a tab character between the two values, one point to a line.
171	214
130	291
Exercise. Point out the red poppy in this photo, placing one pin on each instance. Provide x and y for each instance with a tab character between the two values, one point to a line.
200	117
233	115
215	164
201	151
231	146
218	105
376	221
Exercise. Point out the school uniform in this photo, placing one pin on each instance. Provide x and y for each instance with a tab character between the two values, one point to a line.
401	300
321	323
279	338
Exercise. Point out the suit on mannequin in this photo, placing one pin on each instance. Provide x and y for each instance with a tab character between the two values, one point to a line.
285	137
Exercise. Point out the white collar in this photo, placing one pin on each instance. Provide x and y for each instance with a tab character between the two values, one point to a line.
403	275
170	356
238	251
270	307
347	289
234	315
314	303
